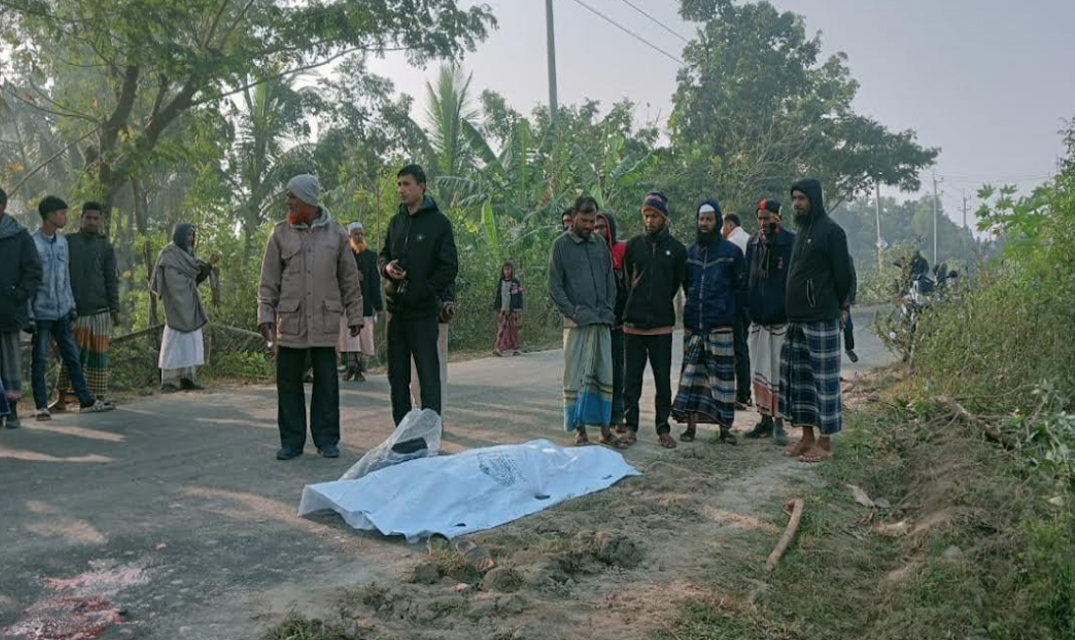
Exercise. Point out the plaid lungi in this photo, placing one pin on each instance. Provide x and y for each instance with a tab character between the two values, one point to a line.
766	343
587	377
707	379
92	334
11	364
810	376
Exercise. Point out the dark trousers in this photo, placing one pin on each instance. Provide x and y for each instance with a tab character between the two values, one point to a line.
417	338
658	351
741	330
291	397
617	375
849	334
60	331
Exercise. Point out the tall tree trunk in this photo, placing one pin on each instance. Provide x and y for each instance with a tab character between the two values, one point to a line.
142	220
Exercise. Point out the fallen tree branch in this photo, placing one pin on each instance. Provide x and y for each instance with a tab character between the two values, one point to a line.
991	431
796	506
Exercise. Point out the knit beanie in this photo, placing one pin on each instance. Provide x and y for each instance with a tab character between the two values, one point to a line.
657	201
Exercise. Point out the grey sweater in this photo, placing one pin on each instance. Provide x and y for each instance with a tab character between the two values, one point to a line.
582	283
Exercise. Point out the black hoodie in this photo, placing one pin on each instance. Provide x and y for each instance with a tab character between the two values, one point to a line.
819	276
425	247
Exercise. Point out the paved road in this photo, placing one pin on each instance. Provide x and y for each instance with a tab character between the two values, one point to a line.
173	510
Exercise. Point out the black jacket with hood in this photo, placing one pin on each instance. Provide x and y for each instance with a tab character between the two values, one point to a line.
425	247
819	276
20	274
659	262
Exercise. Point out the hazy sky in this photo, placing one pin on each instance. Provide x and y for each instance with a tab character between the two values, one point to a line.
988	81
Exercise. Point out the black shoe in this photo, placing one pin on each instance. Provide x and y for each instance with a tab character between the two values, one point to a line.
12	421
330	451
763	429
168	387
727	437
852	356
286	454
780	437
358	377
190	385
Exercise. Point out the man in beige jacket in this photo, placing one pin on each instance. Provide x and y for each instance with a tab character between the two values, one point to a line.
308	281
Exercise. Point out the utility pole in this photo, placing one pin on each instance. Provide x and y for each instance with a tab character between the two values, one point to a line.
550	37
877	210
935	199
964	208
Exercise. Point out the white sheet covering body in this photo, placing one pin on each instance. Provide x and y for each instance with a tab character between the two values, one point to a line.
471	491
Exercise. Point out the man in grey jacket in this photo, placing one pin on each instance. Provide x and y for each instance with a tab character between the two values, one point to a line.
582	285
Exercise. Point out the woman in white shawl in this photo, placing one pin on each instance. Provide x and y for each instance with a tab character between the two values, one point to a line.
175	282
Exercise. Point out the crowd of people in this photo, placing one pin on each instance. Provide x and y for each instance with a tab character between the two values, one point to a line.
781	297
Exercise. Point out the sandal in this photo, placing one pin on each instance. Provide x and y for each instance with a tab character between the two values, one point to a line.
666	440
606	438
688	435
628	438
795	450
581	439
620	429
815	455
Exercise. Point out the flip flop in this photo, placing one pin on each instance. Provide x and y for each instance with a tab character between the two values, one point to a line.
815	455
687	436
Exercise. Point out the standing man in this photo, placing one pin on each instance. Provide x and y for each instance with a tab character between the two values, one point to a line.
582	285
420	261
733	231
768	258
819	280
54	310
94	285
356	352
655	265
566	219
308	281
20	276
715	274
605	227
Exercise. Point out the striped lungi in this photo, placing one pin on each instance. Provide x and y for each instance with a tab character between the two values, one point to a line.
707	379
810	376
587	377
11	364
92	334
766	343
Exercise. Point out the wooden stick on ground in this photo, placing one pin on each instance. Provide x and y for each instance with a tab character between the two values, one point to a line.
793	525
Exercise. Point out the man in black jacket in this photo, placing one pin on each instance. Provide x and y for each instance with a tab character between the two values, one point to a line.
356	351
819	280
420	262
94	285
655	266
20	275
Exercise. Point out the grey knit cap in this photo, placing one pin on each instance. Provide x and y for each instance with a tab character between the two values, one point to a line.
307	188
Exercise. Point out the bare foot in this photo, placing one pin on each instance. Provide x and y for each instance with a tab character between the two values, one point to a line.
815	454
797	449
667	441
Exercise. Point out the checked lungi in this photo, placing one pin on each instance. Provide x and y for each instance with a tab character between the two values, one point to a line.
707	379
587	377
810	376
11	364
92	334
766	343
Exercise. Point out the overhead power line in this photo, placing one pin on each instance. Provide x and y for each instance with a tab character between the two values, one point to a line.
628	31
659	23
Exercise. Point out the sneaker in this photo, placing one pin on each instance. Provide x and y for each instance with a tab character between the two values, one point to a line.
168	387
763	429
329	451
852	356
97	406
286	453
42	415
780	437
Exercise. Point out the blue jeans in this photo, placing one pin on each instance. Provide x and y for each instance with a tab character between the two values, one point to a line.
59	330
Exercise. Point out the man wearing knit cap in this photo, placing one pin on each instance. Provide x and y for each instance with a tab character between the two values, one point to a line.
714	282
308	283
655	266
819	281
768	257
356	351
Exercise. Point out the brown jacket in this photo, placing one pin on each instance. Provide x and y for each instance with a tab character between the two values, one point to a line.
308	280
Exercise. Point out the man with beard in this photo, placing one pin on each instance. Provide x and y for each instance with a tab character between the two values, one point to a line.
714	281
655	264
582	285
420	261
94	284
20	275
768	257
356	351
819	280
605	227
